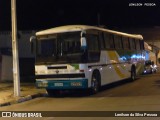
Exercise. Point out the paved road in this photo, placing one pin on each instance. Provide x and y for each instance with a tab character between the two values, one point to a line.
145	85
140	95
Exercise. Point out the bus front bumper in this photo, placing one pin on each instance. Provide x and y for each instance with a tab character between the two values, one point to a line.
63	84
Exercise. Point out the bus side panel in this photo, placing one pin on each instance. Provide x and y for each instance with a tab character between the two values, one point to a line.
113	69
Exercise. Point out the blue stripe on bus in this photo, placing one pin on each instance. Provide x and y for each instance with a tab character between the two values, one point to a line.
62	84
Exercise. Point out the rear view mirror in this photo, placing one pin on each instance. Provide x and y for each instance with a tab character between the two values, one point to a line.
32	41
83	40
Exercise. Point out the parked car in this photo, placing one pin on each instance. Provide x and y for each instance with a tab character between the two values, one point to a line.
150	67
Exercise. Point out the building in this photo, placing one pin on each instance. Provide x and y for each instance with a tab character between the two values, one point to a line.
26	58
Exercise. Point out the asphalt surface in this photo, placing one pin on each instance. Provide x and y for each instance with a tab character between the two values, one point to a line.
141	95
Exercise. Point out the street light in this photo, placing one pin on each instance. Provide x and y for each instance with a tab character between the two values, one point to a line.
15	50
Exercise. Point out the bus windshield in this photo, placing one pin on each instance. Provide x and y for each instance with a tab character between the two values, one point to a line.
60	48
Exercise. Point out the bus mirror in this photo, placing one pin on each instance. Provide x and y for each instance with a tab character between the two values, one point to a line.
32	41
83	40
83	43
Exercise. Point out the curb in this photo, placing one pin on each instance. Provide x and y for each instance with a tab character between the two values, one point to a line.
23	99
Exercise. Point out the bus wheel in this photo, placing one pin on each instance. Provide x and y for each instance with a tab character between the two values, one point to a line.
95	85
133	74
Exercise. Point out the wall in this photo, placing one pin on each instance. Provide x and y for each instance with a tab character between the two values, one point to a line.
23	39
26	58
26	67
6	68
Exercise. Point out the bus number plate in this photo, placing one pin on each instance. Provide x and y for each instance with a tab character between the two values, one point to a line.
43	84
58	84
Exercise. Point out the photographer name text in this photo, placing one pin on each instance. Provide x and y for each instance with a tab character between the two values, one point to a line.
142	4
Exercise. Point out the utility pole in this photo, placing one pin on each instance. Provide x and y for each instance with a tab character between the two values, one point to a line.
16	77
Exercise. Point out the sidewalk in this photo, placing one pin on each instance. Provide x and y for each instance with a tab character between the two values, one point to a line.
27	91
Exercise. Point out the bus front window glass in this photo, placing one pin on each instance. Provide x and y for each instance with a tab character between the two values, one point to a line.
46	47
63	48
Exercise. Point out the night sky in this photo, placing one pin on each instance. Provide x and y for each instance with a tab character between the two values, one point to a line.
43	14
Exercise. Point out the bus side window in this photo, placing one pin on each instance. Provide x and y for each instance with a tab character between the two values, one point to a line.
109	41
141	44
137	44
93	42
132	43
118	41
93	47
102	42
125	42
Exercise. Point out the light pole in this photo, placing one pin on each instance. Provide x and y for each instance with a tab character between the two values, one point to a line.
15	50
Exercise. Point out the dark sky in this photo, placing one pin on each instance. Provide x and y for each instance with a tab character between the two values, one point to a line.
43	14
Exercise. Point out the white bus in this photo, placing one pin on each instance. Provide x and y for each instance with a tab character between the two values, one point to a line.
81	57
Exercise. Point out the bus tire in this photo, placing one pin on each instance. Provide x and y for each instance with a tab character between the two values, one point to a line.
95	82
133	74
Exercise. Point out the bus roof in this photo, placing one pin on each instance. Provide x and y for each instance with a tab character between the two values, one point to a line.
71	28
